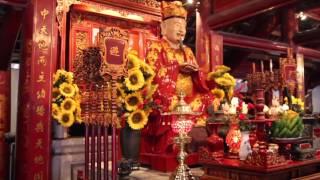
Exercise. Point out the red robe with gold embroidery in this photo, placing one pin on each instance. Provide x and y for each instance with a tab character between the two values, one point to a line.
165	61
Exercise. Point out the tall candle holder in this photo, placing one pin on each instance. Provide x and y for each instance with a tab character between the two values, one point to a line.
269	81
260	104
182	126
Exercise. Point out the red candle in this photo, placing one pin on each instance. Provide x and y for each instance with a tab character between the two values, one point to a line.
253	68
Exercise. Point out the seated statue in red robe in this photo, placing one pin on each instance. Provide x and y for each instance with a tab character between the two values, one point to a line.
176	70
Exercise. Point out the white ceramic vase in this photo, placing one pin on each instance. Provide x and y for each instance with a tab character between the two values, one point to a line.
245	148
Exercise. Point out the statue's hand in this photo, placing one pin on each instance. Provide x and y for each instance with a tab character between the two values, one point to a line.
188	68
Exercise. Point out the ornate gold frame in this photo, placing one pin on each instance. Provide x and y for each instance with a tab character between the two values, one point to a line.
115	70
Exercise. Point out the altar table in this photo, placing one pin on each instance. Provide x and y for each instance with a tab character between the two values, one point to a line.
232	169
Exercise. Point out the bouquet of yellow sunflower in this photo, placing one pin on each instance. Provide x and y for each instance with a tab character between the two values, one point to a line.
65	99
135	92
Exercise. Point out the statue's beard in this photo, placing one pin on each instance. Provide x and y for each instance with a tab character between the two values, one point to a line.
181	43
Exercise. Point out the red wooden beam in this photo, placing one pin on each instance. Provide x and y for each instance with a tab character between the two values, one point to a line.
243	11
248	42
8	36
310	53
313	13
242	41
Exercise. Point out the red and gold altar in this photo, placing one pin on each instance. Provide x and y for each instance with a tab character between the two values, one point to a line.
114	70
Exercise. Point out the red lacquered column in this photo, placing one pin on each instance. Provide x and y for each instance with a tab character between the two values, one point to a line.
34	112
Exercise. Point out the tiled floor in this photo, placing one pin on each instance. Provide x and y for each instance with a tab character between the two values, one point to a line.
147	174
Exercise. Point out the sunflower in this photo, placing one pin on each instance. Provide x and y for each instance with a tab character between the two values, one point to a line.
69	77
135	80
67	90
132	101
68	105
57	75
218	93
67	119
133	61
137	120
148	72
61	76
56	112
55	94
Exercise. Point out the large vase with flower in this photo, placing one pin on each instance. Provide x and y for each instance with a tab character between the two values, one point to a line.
66	99
135	99
237	113
224	84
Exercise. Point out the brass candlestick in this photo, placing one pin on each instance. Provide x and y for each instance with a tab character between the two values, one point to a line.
182	126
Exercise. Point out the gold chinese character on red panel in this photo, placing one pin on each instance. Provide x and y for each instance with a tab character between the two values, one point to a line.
43	30
39	143
40	110
217	48
38	176
42	60
41	77
38	160
39	127
44	13
114	51
27	78
41	94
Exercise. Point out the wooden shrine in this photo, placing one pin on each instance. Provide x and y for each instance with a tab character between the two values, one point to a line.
58	34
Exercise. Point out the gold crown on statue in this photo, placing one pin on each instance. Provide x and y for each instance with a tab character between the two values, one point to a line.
173	9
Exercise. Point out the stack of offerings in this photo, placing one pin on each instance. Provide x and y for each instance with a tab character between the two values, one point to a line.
290	125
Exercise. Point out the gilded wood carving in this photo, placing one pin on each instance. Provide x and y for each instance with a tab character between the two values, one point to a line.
113	44
150	3
81	41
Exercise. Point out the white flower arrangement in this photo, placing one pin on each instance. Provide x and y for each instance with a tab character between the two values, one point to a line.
231	109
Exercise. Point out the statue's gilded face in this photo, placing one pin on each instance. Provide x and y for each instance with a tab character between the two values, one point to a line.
174	29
